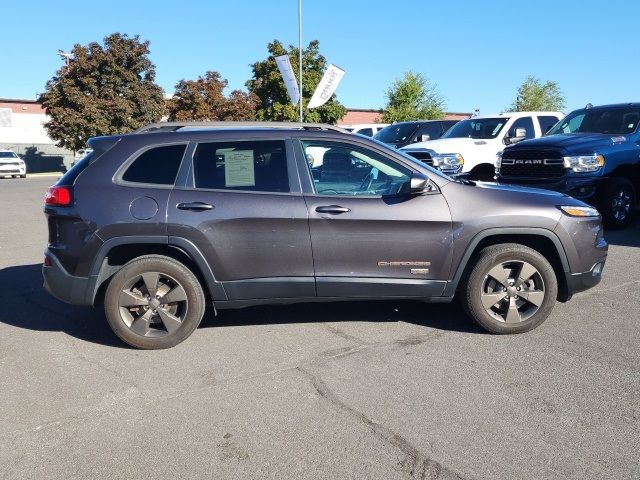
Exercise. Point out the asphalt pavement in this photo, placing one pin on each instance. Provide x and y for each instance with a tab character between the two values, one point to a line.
362	390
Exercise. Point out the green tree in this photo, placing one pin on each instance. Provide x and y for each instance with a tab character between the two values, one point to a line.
273	100
204	99
102	91
533	96
412	97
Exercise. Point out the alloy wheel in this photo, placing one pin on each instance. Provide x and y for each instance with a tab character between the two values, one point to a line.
621	205
512	291
153	304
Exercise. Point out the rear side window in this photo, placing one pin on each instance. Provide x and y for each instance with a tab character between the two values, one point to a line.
546	123
257	166
158	166
366	131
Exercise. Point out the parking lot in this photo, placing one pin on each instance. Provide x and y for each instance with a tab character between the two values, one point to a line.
376	390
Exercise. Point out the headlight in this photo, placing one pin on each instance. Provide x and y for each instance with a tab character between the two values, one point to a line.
579	211
584	163
448	162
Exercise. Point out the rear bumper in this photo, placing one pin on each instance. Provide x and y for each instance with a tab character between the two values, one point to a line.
64	286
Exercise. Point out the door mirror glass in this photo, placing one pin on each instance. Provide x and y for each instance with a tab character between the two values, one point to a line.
424	138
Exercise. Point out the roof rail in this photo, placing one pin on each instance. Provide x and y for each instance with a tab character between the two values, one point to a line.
175	126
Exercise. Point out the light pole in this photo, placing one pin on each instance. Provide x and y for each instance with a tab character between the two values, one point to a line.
300	53
66	56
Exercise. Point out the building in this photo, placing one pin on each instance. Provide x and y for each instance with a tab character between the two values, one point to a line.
22	130
363	115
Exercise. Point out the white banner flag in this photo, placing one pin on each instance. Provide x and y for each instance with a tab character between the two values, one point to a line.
327	86
284	65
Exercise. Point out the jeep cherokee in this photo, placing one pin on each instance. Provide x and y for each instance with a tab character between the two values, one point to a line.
162	222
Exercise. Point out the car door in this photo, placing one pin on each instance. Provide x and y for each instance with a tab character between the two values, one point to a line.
370	237
242	207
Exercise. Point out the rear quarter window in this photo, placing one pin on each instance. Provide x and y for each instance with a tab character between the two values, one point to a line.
157	166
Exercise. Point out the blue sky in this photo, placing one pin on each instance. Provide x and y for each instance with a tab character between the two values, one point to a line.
477	53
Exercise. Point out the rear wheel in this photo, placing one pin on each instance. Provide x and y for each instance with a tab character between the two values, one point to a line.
618	203
154	302
511	289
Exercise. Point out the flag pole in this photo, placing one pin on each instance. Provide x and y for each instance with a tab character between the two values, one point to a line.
300	52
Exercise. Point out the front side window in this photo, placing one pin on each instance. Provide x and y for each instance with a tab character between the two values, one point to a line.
478	128
608	121
158	166
432	129
525	123
8	155
546	123
257	166
344	169
366	131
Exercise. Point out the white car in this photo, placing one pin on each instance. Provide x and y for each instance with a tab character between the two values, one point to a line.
472	146
368	129
11	165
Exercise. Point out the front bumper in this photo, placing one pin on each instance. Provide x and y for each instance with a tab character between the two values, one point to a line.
12	170
64	286
581	188
579	282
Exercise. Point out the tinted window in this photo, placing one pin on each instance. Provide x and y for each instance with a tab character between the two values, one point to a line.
158	165
526	123
8	155
345	169
433	129
397	133
366	131
609	121
546	123
259	166
480	128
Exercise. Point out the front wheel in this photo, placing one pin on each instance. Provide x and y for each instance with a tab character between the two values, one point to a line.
511	289
618	203
154	302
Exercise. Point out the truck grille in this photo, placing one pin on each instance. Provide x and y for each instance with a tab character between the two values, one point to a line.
532	163
424	157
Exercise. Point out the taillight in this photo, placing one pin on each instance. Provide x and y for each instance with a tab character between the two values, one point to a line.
58	196
47	261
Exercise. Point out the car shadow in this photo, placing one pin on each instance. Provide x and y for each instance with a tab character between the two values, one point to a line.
27	305
627	237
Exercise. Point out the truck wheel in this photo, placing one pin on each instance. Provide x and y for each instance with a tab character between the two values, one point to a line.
154	302
618	203
511	289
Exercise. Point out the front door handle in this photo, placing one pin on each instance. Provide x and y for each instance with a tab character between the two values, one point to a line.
335	209
195	206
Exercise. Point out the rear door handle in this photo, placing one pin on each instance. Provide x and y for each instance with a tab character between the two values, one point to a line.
195	206
335	209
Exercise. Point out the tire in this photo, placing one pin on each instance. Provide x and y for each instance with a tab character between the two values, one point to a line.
532	303
618	203
154	302
23	176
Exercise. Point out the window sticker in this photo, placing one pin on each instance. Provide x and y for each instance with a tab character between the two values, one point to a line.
239	169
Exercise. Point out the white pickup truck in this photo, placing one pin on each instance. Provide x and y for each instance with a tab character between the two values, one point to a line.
472	146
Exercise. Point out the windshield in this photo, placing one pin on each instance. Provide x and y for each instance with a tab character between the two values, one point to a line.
609	121
8	155
397	133
481	128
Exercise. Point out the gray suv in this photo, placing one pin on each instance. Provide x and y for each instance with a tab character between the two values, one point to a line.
160	223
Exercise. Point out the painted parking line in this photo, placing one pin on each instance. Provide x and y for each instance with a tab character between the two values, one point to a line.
44	174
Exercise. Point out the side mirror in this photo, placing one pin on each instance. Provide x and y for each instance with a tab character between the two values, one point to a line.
419	183
520	135
424	138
